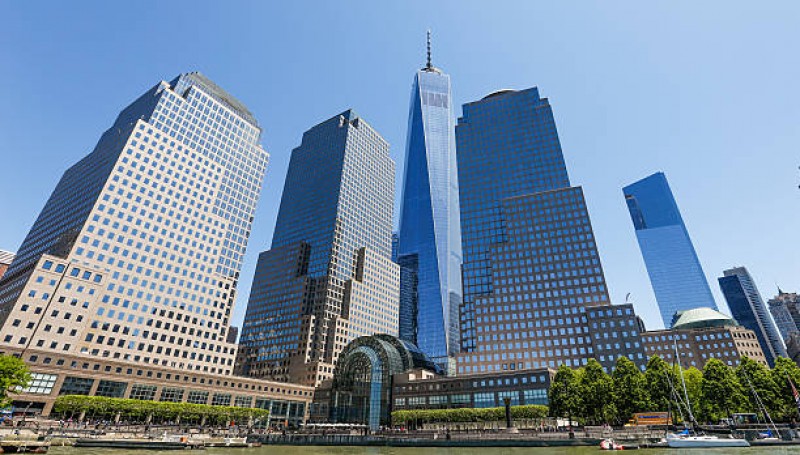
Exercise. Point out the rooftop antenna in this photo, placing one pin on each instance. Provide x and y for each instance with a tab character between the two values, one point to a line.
429	65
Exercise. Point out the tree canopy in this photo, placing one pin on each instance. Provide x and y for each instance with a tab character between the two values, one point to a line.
14	376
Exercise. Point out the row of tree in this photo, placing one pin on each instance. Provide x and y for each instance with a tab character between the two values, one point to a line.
418	416
146	411
593	397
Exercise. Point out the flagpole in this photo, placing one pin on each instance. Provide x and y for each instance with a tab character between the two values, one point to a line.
794	393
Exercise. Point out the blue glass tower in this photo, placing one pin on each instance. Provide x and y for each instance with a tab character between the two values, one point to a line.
429	241
328	277
675	272
749	310
531	267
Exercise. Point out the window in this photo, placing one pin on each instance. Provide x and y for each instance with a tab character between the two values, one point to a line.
174	394
221	399
197	397
111	389
76	386
41	383
143	392
243	401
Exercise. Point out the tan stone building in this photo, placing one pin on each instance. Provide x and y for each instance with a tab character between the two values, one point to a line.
128	277
702	334
5	260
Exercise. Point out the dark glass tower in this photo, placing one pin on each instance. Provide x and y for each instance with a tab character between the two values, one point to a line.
328	277
531	266
429	242
749	310
675	272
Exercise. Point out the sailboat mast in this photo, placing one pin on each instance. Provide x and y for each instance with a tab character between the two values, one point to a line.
683	381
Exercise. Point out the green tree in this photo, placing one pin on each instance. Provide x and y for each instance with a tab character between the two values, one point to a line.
756	379
630	394
14	375
722	392
564	395
659	380
597	396
786	408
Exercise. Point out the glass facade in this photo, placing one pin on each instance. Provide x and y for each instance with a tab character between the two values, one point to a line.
749	310
531	266
328	277
675	273
136	254
429	241
785	309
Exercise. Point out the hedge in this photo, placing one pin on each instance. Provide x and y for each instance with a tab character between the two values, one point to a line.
531	411
155	410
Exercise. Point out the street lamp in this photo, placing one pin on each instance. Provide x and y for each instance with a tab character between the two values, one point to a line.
569	407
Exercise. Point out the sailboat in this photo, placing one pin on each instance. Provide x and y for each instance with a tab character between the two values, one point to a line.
684	439
769	436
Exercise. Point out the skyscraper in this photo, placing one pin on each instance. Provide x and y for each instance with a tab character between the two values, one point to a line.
328	277
785	309
125	284
675	272
429	241
749	310
144	236
531	266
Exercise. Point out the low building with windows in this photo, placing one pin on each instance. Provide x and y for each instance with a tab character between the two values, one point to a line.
55	375
381	373
420	389
701	334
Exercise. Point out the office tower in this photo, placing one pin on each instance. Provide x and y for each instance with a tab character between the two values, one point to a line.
328	277
6	257
125	284
749	310
136	254
531	266
429	241
785	309
675	272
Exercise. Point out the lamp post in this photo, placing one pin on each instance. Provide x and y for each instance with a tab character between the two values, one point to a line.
569	408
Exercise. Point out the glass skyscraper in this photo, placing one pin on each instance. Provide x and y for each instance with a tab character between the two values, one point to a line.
136	255
749	310
675	273
429	239
328	277
531	268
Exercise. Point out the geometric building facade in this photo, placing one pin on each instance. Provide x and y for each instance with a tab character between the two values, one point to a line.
749	310
701	334
429	240
328	277
531	268
125	284
785	309
136	254
675	273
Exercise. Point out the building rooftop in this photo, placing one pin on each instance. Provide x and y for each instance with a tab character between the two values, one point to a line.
6	257
702	317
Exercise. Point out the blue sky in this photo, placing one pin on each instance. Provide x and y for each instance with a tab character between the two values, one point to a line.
704	91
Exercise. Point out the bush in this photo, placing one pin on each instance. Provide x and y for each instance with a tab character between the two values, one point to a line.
531	411
104	407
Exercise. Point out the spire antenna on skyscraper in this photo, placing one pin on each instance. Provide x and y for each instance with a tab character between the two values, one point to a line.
429	65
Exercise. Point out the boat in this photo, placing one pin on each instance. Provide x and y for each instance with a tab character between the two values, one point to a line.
684	441
609	444
697	440
232	443
168	442
24	446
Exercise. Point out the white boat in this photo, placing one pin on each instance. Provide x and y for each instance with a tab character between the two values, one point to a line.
679	441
